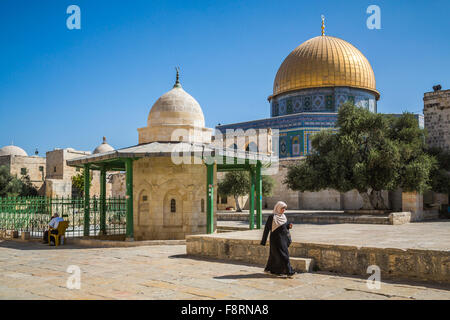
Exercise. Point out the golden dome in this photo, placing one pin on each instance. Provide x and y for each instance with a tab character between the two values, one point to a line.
324	61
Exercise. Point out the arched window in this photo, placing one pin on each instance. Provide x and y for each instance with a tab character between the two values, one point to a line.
173	205
252	147
202	205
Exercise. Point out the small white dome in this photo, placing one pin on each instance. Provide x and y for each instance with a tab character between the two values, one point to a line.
12	151
104	147
176	107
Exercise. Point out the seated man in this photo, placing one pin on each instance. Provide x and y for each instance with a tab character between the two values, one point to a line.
52	227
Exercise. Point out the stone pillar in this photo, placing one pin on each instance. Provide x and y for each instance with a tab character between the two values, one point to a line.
103	201
129	199
87	205
413	202
210	198
251	218
258	195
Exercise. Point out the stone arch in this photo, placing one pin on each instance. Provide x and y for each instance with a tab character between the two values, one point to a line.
251	146
200	204
173	199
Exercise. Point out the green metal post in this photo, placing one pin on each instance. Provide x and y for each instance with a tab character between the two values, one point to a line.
87	185
209	198
258	195
251	218
103	201
129	198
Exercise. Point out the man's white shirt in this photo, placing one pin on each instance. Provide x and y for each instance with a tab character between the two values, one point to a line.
54	222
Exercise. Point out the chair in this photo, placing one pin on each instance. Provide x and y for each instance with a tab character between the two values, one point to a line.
62	226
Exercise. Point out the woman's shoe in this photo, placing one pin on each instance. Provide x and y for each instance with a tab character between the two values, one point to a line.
291	275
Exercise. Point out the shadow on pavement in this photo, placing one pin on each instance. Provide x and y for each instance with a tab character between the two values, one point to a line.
37	245
245	276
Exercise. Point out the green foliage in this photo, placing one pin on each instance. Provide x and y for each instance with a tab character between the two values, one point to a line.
440	175
237	183
370	152
11	186
78	182
267	186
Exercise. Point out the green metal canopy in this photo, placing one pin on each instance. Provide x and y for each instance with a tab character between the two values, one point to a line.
226	159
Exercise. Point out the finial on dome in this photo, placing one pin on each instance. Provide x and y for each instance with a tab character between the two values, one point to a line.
323	24
177	82
104	139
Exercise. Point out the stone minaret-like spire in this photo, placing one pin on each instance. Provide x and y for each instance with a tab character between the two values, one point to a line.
177	82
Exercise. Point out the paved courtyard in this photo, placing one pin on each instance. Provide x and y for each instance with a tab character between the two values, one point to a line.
31	270
432	235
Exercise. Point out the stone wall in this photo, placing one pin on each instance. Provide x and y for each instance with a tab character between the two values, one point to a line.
281	192
160	187
409	264
118	184
436	112
58	188
413	202
34	165
321	200
57	169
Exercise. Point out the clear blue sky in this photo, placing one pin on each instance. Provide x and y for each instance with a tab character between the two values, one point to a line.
68	88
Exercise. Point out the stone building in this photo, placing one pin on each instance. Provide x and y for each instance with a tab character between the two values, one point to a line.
21	164
313	81
59	175
171	173
436	110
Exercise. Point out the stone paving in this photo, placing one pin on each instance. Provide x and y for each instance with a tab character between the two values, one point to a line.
433	235
30	270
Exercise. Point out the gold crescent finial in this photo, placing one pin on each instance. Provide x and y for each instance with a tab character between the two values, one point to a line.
323	25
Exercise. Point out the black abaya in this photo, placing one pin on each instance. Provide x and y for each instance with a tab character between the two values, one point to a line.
280	240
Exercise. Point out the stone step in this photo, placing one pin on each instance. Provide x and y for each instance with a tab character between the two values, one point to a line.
302	264
317	218
222	229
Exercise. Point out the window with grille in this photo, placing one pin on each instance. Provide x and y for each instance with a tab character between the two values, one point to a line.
173	205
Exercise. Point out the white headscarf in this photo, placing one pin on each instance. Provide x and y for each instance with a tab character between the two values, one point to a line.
278	218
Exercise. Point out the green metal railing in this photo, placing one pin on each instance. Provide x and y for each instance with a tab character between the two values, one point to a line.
34	213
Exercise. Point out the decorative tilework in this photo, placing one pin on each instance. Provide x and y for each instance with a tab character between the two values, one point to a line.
298	105
274	109
289	107
282	108
329	102
321	99
307	104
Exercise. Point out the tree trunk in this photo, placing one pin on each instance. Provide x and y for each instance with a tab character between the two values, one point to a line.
372	200
367	204
238	207
377	200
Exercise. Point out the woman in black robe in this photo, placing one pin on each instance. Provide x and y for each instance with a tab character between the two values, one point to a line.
280	240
